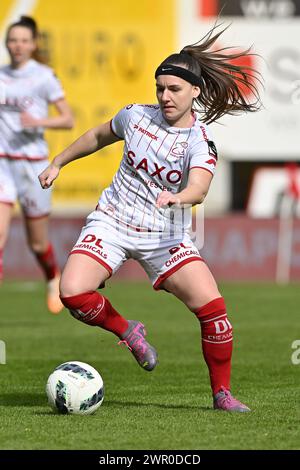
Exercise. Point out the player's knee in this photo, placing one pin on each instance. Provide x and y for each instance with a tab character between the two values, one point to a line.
69	288
37	247
192	299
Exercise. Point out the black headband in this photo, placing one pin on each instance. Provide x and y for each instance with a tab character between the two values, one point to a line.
181	72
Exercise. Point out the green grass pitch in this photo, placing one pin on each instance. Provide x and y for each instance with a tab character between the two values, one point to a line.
169	408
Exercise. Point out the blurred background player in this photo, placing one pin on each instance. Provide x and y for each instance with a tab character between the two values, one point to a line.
168	162
28	87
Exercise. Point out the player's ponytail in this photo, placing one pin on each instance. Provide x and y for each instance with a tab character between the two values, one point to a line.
30	23
225	86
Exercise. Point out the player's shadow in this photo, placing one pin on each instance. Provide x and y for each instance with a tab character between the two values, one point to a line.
22	399
156	405
39	399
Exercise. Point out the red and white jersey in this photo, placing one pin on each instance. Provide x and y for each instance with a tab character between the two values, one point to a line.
30	88
156	157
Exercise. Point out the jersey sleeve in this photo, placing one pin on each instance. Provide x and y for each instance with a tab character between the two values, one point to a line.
204	154
53	88
120	121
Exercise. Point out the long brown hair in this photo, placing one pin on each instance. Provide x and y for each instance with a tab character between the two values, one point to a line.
30	23
220	79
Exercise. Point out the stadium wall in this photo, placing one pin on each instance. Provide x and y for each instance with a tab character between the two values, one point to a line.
236	247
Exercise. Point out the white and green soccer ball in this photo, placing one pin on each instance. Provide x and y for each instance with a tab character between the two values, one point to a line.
75	388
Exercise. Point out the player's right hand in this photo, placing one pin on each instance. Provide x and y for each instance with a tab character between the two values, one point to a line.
47	177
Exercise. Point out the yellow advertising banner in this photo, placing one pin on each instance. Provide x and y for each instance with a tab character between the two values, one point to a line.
105	54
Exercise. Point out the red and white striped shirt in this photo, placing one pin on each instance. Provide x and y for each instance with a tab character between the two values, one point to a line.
30	88
156	157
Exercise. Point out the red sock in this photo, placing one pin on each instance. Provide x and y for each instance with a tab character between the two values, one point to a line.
216	342
48	263
1	265
96	310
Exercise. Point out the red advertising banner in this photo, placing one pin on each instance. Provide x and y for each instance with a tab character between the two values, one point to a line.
249	8
236	248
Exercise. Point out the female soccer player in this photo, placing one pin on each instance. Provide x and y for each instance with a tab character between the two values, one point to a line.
168	162
27	87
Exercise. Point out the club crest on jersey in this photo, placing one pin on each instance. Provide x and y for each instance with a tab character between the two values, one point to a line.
177	151
109	209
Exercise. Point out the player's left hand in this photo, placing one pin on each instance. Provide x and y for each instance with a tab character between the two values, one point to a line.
27	120
166	198
47	177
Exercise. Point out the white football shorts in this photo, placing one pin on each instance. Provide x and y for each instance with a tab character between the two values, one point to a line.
111	244
19	181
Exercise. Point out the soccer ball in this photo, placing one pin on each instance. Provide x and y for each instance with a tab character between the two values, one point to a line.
75	388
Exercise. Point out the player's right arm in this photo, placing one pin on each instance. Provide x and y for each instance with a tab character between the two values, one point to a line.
93	140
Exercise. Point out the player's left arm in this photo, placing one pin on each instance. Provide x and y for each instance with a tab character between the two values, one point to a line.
194	193
63	120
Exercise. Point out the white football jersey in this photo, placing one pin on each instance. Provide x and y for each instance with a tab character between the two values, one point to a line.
30	88
156	157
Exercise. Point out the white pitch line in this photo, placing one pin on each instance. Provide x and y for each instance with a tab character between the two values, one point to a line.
29	286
